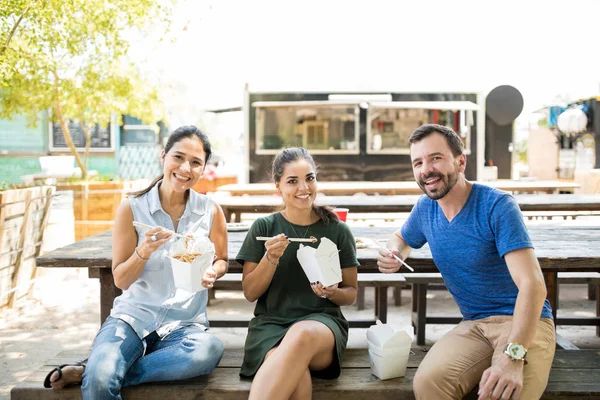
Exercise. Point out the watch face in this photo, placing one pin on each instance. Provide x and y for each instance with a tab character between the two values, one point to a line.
517	351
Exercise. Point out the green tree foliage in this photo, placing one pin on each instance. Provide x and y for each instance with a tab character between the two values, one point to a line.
71	57
520	150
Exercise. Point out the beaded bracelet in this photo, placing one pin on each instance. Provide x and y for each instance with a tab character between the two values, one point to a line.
138	255
269	260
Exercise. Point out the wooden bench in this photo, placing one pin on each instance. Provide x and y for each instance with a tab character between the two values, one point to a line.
381	283
377	281
575	374
530	215
420	319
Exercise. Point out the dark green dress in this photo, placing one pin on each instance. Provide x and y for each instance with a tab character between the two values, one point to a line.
289	298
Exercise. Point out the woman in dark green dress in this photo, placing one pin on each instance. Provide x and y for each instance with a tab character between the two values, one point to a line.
298	329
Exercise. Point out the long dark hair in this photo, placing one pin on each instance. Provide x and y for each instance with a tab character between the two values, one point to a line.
292	154
187	131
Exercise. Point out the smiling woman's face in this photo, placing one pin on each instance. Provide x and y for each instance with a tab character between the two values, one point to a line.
298	185
184	164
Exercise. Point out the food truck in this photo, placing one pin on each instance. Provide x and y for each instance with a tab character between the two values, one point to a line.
364	136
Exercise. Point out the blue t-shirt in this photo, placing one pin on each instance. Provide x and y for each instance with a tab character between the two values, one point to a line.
469	251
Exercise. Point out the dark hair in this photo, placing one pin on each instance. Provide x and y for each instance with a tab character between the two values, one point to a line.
290	155
186	131
454	141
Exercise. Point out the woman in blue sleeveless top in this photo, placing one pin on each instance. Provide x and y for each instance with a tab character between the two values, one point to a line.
156	332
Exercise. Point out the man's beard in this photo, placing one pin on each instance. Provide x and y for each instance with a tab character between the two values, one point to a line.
445	186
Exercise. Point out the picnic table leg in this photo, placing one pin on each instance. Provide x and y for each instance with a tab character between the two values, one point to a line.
227	214
598	307
360	297
381	303
551	279
398	296
108	290
419	311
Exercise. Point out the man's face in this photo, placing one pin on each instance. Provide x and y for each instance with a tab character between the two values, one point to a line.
435	168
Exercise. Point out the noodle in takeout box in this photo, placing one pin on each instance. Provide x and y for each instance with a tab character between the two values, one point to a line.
190	258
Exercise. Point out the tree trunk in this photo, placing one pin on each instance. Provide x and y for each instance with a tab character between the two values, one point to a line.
71	145
88	141
67	132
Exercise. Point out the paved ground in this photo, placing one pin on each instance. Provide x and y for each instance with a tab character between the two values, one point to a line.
63	313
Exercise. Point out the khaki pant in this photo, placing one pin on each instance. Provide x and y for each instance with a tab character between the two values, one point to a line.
455	363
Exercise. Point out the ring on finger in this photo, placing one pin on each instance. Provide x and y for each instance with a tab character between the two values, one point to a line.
154	238
323	296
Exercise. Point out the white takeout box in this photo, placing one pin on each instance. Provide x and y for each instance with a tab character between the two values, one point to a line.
389	348
321	264
189	276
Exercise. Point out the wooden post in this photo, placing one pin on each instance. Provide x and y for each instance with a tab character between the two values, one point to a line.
40	240
84	209
20	248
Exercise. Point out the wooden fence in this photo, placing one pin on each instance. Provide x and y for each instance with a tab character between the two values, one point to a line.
23	217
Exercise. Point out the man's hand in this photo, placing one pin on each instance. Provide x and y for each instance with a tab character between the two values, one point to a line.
386	261
503	380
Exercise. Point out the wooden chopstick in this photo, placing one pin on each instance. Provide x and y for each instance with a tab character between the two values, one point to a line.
142	225
311	239
395	256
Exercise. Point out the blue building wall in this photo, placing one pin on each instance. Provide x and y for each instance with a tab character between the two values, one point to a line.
21	145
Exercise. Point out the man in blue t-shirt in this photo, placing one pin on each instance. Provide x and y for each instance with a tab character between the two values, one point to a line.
480	244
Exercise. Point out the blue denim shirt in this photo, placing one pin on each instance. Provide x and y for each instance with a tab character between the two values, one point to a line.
152	302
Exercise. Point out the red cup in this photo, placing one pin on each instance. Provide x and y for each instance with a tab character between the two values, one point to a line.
342	213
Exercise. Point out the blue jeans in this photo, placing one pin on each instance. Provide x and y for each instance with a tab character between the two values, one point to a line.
117	358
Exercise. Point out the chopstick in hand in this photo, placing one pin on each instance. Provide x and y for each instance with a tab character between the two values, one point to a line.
311	239
142	225
395	256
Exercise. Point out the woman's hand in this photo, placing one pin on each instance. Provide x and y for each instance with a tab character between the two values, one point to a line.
153	239
209	278
276	247
324	291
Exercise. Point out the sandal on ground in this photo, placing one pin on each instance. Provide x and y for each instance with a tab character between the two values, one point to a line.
47	383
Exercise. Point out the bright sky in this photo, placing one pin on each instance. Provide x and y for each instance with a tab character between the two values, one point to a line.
543	48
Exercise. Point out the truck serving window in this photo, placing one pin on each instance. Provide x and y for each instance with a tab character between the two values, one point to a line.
322	127
389	124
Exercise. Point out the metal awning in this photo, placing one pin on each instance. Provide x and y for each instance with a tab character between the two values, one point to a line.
429	105
310	103
426	105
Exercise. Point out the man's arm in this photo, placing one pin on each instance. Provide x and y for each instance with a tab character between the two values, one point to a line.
527	275
396	244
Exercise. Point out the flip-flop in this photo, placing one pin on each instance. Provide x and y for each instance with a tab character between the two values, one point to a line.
47	383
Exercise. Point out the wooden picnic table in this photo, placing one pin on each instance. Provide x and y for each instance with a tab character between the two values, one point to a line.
234	206
558	248
397	187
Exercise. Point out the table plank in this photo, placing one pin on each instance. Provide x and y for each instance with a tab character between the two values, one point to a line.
558	248
396	187
405	203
